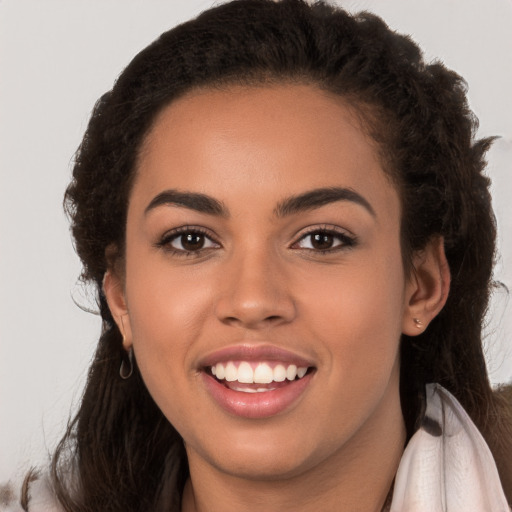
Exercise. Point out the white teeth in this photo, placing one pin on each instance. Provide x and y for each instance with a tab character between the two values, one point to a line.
301	372
220	371
252	390
262	374
245	373
291	372
231	372
244	390
279	373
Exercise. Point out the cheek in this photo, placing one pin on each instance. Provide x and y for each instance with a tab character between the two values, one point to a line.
163	300
357	312
166	321
168	311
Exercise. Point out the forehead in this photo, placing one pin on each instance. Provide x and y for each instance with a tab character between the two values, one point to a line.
259	142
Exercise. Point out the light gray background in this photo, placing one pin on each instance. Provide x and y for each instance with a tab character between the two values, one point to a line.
56	59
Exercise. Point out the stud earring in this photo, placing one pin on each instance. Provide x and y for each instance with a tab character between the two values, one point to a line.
126	369
418	323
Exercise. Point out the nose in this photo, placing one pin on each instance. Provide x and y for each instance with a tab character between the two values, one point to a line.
254	292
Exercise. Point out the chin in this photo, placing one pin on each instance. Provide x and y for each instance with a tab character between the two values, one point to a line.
264	454
264	468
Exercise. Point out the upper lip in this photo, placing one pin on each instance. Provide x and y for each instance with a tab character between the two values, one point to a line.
251	352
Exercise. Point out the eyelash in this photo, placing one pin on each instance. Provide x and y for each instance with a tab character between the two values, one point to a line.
171	236
346	241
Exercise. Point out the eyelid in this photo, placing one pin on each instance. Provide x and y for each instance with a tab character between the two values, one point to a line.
348	238
164	241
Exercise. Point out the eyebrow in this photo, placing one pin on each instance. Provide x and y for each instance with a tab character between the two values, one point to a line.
191	200
309	200
320	197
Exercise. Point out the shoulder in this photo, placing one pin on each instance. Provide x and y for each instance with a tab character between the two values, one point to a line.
33	494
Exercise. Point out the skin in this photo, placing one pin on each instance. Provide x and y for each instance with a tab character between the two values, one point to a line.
259	280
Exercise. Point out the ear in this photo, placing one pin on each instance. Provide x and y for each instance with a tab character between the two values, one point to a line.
427	287
114	293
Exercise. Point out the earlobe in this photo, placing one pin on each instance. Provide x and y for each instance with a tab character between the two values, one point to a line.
114	293
427	288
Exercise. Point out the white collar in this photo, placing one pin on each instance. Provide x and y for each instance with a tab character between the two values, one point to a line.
447	466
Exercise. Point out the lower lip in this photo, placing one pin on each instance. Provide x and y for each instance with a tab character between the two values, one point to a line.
256	405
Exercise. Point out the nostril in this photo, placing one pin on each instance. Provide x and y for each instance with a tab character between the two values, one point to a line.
251	321
251	309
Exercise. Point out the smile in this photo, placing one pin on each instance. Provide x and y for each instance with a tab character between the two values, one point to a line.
245	372
256	382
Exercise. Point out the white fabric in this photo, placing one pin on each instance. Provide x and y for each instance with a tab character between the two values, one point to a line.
447	466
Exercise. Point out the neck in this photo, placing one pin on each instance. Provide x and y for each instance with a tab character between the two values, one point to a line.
358	477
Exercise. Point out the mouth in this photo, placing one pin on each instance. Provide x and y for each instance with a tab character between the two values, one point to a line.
256	382
256	377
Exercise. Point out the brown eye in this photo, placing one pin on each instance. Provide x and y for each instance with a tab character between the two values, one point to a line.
325	240
322	241
190	241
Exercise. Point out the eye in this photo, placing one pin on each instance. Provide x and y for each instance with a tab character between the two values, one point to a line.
191	242
186	241
324	240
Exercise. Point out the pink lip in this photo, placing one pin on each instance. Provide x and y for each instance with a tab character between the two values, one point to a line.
255	405
254	353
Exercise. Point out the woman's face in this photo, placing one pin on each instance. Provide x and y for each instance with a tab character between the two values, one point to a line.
263	241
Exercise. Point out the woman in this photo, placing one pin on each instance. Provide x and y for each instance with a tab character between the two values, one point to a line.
284	213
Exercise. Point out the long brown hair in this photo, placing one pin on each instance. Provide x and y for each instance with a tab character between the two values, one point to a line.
120	453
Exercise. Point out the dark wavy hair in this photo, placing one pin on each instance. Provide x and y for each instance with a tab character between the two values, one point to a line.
120	453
